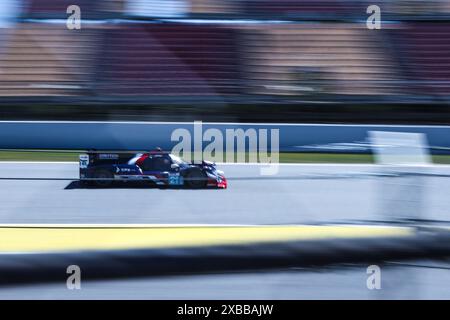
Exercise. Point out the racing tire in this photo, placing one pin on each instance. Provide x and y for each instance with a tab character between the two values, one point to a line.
106	178
196	179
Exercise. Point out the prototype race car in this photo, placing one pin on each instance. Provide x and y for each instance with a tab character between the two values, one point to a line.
158	167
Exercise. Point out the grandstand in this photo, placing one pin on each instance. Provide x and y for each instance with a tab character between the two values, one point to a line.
169	59
424	49
305	59
235	50
45	60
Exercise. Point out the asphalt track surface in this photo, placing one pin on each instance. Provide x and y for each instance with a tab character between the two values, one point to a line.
297	194
45	193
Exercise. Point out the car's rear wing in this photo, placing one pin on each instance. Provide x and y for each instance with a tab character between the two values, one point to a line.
105	157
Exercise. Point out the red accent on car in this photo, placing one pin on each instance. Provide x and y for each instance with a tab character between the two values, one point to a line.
222	184
140	161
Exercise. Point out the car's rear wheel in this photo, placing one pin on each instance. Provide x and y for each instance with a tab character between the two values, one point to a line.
105	178
196	179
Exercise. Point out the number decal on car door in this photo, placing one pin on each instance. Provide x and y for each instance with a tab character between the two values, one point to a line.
175	179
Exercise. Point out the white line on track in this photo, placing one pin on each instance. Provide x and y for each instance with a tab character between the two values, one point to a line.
121	225
432	165
206	225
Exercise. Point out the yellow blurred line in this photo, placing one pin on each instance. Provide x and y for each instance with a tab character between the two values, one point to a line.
56	239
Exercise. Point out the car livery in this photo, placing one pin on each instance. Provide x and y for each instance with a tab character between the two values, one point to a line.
158	167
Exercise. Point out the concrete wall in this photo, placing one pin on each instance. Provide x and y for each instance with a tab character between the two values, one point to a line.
147	135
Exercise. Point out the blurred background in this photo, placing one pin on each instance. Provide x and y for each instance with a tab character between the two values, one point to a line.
262	60
247	61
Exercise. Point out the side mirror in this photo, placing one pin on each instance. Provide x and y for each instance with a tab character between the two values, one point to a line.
174	166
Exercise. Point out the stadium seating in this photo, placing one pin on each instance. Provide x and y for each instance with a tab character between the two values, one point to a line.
215	7
269	8
45	59
424	50
169	59
90	9
116	7
292	8
57	8
245	57
301	59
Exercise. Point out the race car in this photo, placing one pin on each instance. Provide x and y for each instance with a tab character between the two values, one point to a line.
157	167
